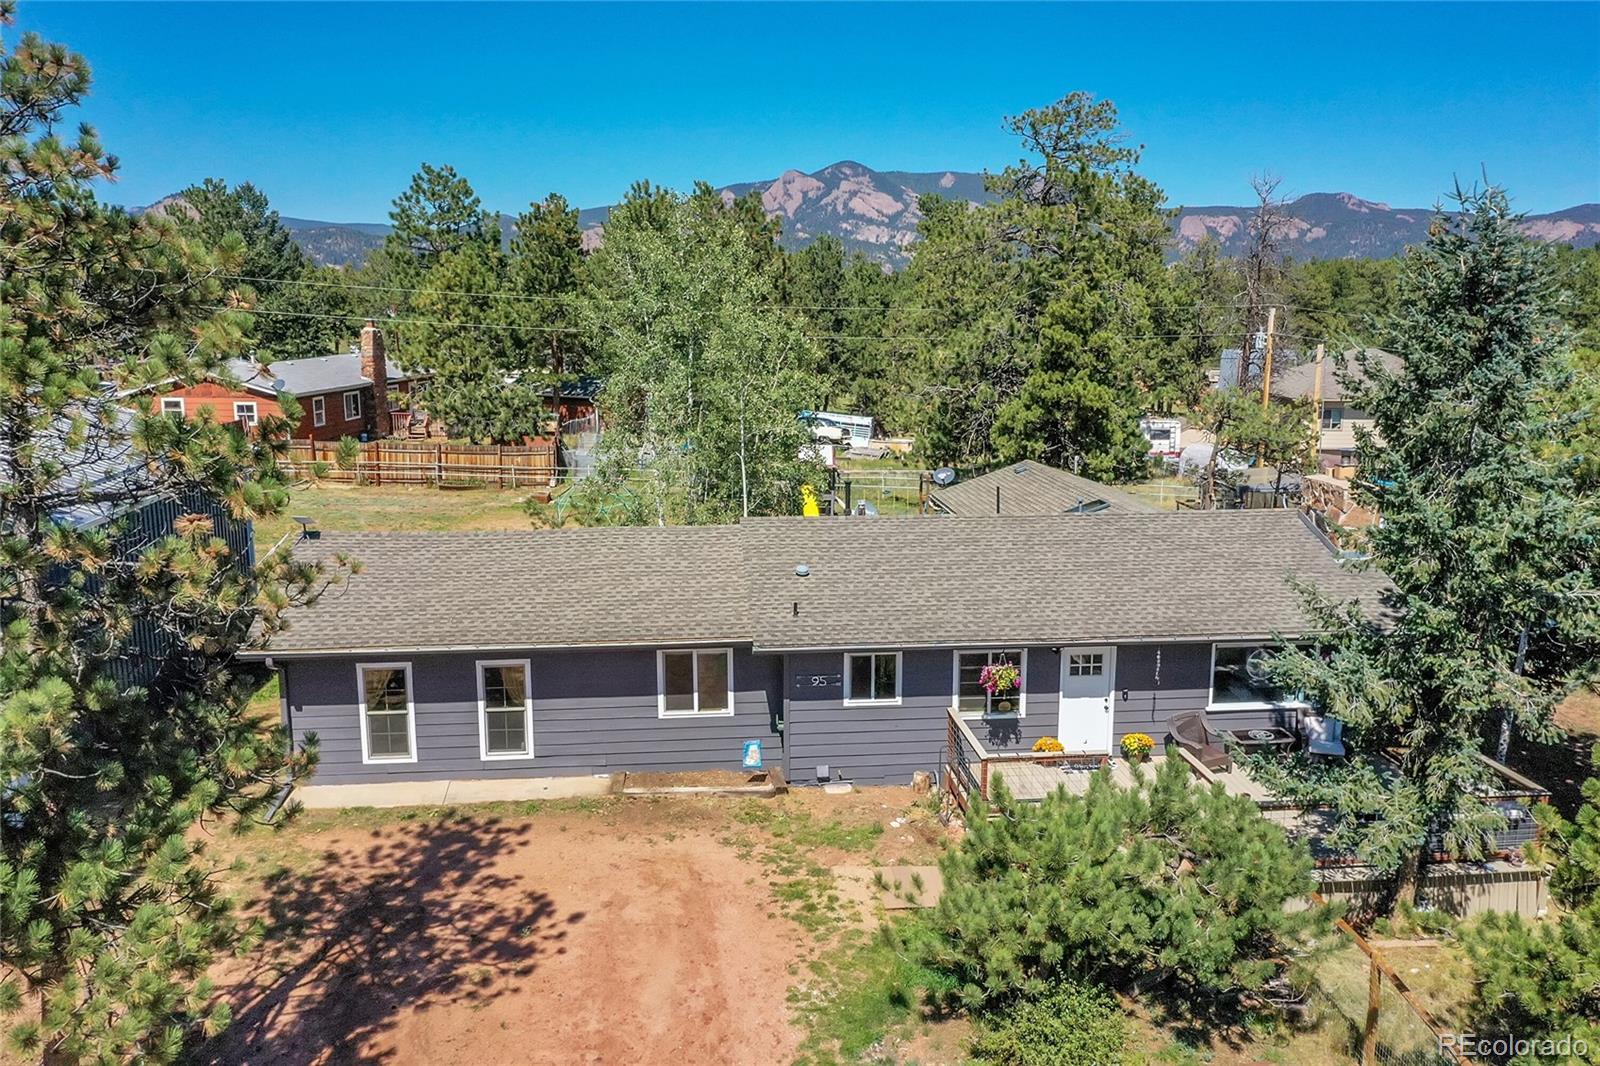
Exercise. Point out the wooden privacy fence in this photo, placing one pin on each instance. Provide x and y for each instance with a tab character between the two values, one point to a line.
401	462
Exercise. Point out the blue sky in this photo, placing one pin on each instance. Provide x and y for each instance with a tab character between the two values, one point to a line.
330	107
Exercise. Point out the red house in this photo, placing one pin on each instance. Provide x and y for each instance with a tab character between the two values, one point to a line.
344	395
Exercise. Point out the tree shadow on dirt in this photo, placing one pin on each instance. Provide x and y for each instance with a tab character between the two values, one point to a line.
418	916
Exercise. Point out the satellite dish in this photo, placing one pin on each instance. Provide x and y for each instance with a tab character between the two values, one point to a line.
944	476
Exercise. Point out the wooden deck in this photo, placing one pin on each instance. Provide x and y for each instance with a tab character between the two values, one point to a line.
1032	781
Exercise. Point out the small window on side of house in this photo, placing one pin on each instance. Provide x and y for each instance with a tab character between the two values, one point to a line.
972	698
244	411
698	682
1241	677
172	405
872	677
505	704
352	406
1332	416
387	714
319	410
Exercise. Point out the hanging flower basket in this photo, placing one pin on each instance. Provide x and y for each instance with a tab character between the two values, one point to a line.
1001	679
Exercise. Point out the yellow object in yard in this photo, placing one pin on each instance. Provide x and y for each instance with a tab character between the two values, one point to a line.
809	507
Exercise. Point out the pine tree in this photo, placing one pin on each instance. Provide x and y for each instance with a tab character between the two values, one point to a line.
1045	303
438	213
1489	541
1180	888
111	753
1537	979
547	272
300	305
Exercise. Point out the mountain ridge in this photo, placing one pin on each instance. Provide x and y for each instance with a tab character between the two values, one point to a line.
875	212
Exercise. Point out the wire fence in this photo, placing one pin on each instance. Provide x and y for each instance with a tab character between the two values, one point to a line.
1369	1012
888	492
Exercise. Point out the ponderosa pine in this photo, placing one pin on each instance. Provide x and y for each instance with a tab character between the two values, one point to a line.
123	711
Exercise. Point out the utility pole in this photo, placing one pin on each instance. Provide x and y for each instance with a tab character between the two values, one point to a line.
1316	402
1266	368
1266	377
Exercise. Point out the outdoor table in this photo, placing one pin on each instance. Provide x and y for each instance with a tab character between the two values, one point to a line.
1264	738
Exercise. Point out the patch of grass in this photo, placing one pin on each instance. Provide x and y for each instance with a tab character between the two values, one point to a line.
396	508
803	831
856	999
265	704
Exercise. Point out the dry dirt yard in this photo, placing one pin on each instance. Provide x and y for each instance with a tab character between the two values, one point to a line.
598	931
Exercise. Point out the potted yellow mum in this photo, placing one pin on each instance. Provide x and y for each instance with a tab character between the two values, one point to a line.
1136	747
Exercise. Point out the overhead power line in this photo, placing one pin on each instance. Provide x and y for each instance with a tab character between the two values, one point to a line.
876	338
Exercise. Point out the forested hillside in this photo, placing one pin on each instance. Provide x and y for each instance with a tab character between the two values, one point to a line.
1041	323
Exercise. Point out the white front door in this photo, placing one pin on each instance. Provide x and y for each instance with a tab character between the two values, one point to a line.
1087	676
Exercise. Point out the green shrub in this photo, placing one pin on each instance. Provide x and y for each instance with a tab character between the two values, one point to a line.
1071	1025
1536	978
1180	888
347	453
319	469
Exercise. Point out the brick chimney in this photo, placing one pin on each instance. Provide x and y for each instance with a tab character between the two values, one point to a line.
376	370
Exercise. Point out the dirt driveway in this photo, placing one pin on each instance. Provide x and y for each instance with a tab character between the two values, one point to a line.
636	932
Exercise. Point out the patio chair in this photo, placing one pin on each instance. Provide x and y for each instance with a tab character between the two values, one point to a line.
1324	736
1195	735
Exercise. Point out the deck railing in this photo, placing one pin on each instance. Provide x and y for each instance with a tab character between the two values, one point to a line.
969	765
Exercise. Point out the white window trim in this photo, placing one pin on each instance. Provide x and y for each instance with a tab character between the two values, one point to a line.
899	675
661	683
255	412
349	414
1250	705
955	686
180	410
319	410
411	713
483	710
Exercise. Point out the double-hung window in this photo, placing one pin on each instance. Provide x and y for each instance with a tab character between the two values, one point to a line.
319	410
1240	678
505	709
388	717
693	683
244	411
871	677
971	695
352	406
172	405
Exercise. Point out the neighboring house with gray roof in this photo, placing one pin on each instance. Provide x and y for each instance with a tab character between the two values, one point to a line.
338	394
1030	488
837	643
1338	414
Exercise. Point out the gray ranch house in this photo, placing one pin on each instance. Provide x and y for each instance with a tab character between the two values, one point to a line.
839	644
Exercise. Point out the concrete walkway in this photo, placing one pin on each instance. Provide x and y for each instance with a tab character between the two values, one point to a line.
442	793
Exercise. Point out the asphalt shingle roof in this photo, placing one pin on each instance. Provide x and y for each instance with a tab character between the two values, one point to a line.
576	587
1215	575
1297	383
895	582
1030	488
308	377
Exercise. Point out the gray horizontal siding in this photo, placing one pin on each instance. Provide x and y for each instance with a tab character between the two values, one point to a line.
887	744
596	712
593	712
1156	681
